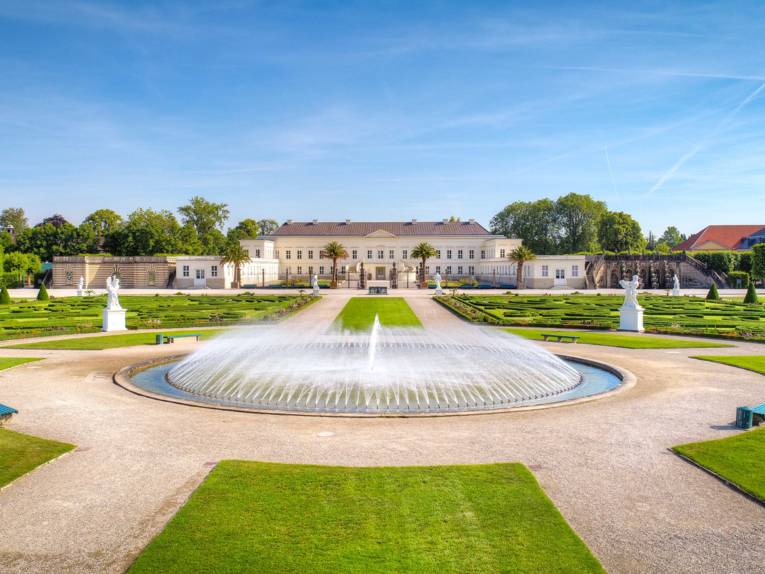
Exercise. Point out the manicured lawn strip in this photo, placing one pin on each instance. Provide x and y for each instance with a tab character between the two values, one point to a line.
110	341
68	315
667	315
8	362
359	313
20	453
616	339
751	363
278	518
739	459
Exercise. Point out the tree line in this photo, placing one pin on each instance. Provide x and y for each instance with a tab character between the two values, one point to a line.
577	223
199	230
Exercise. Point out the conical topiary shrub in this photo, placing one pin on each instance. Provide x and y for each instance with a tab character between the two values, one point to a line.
42	294
5	297
714	294
751	294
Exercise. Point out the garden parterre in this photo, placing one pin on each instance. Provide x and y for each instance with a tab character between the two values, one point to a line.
682	315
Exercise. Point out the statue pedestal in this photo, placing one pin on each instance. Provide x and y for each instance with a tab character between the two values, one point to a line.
676	292
114	320
439	291
316	292
631	319
80	293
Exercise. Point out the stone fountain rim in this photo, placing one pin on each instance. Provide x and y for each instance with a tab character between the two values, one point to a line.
123	378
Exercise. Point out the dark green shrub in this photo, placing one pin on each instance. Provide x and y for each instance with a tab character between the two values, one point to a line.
751	295
714	294
42	294
5	297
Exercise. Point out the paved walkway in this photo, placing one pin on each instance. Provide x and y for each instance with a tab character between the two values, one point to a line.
604	463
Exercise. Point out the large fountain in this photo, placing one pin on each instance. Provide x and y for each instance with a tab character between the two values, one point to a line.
382	371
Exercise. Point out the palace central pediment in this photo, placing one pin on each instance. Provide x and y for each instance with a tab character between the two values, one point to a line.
380	233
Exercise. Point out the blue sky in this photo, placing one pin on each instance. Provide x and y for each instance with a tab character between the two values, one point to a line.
384	110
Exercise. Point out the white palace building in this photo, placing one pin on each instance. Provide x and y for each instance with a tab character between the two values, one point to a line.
465	251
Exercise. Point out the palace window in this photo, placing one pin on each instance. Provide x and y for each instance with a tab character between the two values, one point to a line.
200	273
459	270
342	269
448	269
502	253
369	254
427	270
471	270
355	254
288	254
214	271
299	253
575	271
483	254
459	254
404	254
438	254
310	269
545	271
471	254
560	274
310	254
391	254
321	270
448	253
380	254
257	253
438	269
300	270
185	270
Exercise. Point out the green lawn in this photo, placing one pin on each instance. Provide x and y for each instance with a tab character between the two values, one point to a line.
672	315
739	459
277	518
109	341
8	362
63	316
359	313
751	363
616	339
20	453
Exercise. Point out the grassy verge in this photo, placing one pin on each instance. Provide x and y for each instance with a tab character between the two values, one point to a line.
265	517
20	453
8	362
739	459
110	341
359	313
617	339
750	363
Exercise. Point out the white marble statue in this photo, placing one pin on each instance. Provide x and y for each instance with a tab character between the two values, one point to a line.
112	293
675	286
81	286
439	290
631	313
315	285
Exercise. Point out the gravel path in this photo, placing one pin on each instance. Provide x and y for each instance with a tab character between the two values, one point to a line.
604	463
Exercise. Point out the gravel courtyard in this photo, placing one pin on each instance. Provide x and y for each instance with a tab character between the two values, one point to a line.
604	463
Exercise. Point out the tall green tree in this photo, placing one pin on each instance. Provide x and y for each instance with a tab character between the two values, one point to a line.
14	217
579	218
267	226
423	251
237	256
672	236
101	223
520	256
47	240
535	222
245	229
618	231
334	251
149	232
208	219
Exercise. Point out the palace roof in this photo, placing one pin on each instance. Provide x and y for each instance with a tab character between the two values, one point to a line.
725	236
364	228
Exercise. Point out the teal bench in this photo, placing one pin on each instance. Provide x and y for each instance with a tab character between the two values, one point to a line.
161	339
747	417
6	412
560	338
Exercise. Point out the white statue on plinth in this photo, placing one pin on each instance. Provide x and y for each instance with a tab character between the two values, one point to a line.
114	314
81	286
631	313
112	293
315	285
439	290
675	286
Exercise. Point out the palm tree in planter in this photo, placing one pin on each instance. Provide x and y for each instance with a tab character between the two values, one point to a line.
237	256
423	251
520	256
334	251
